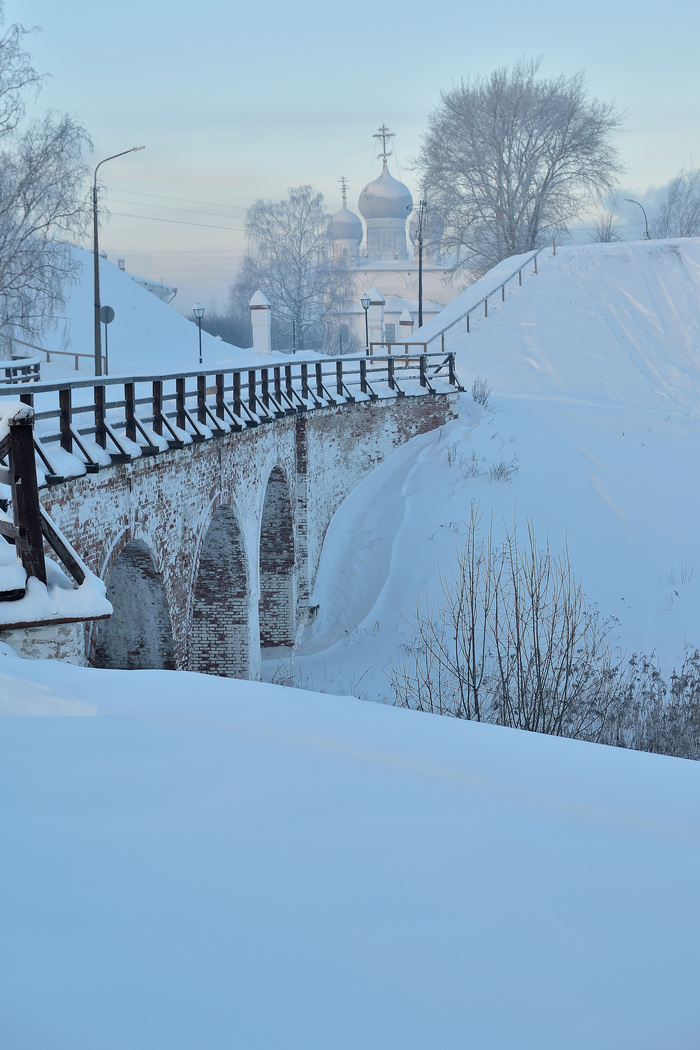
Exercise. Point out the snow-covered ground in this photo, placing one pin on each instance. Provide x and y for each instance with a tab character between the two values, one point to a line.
201	863
210	864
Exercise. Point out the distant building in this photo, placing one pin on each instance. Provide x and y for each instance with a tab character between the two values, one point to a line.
383	263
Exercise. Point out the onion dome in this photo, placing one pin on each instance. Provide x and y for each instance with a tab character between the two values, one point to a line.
385	198
344	225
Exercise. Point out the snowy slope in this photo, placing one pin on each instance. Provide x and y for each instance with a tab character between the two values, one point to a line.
146	336
210	864
595	369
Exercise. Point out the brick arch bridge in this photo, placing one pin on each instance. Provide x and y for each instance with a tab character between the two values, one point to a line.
206	525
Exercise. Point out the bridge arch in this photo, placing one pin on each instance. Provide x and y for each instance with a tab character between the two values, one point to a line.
277	608
139	635
219	618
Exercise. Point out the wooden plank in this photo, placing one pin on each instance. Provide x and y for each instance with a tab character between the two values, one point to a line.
64	551
25	500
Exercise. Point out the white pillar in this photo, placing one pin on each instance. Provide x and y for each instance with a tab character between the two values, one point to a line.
261	320
405	327
375	315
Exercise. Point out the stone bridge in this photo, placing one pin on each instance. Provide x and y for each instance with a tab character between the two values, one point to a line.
205	509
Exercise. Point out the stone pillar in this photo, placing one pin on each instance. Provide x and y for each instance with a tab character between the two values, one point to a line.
261	320
375	316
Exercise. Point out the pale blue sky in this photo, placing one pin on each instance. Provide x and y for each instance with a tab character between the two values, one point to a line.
236	102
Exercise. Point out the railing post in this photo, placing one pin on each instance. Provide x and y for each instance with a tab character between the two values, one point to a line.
201	399
220	395
180	403
65	397
237	410
158	407
390	372
503	292
554	246
443	345
129	411
535	264
422	362
486	307
265	388
277	376
339	377
520	277
288	379
442	338
363	375
451	366
100	432
252	400
305	392
25	498
319	379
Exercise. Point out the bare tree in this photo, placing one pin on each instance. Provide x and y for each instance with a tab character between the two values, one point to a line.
42	200
679	215
289	257
512	158
512	642
605	228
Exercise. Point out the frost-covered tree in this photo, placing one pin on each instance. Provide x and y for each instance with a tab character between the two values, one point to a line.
289	257
513	158
679	215
42	197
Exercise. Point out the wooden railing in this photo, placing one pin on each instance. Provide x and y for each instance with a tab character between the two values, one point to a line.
498	292
144	415
58	353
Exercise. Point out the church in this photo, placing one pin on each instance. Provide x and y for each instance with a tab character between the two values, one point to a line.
380	262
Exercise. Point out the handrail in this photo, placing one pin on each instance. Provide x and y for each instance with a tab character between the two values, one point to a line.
107	419
484	301
59	353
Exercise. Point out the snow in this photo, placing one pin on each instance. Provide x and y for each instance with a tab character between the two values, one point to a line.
216	863
197	862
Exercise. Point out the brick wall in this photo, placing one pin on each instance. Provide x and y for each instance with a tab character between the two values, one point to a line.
228	531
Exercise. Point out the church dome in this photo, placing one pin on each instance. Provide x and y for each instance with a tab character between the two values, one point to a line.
385	198
344	225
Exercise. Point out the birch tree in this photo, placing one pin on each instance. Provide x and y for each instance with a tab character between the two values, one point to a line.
43	205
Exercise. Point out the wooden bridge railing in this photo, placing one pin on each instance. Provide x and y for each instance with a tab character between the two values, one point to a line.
109	419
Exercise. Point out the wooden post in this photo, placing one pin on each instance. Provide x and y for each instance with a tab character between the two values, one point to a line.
503	293
305	381
100	432
220	395
129	410
422	362
265	388
535	264
486	307
288	379
237	410
339	377
390	372
277	376
25	498
158	406
363	375
252	400
467	329
520	277
66	417
451	365
180	403
201	399
319	379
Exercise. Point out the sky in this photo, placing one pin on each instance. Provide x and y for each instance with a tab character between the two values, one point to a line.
235	103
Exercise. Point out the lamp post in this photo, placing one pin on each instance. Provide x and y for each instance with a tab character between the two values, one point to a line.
198	311
96	252
422	205
646	224
365	301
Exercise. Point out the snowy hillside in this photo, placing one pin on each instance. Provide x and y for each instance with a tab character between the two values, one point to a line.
146	336
210	863
199	862
594	366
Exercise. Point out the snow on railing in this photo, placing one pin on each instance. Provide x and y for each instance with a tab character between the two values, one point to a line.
108	419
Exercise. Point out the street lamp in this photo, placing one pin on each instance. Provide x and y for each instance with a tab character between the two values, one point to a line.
646	224
96	251
198	311
365	300
422	205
